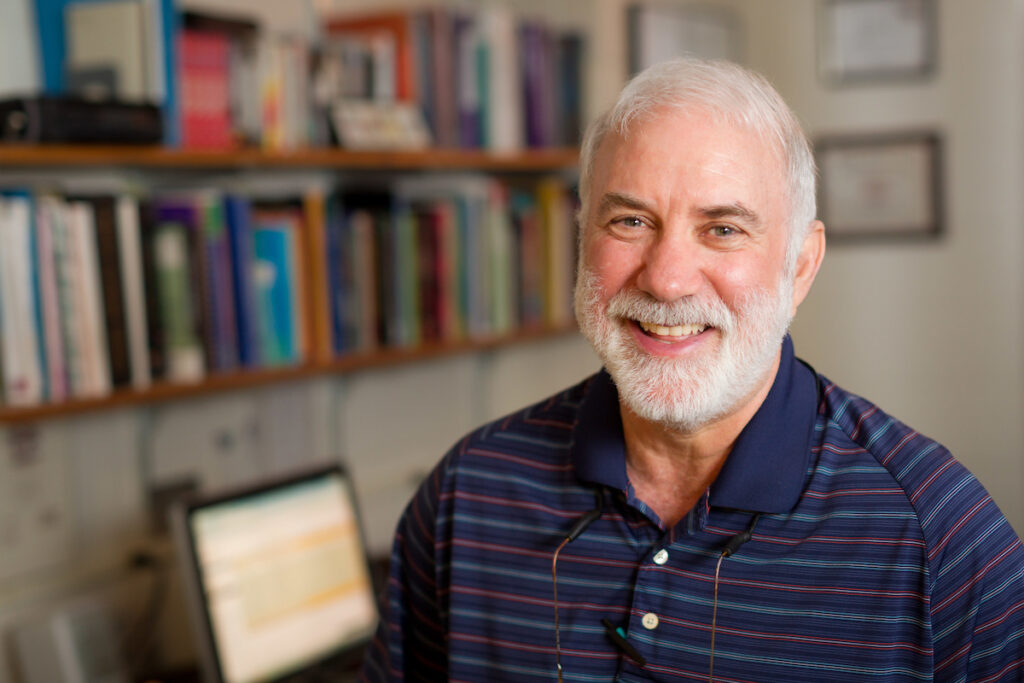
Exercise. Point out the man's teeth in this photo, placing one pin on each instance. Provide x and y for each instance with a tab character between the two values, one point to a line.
674	331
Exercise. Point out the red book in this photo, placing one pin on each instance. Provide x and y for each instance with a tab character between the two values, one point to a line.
204	77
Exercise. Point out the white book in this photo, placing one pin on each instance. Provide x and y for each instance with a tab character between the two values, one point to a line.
66	275
94	357
504	100
133	288
49	295
22	367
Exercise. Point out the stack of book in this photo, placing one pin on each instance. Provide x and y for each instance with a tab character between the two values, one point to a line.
480	76
106	292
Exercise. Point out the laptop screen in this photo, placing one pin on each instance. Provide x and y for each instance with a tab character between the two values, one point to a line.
279	576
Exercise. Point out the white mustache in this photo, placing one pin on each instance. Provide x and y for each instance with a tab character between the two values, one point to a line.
690	310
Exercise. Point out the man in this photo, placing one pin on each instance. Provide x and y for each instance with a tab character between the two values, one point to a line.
707	507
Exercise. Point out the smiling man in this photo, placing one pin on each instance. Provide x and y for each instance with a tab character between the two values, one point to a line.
707	507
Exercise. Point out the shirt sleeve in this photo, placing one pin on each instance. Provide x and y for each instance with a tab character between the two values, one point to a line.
977	600
411	639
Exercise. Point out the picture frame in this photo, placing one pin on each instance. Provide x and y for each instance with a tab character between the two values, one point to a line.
885	186
864	41
659	31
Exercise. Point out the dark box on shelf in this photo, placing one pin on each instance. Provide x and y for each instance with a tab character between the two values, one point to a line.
64	119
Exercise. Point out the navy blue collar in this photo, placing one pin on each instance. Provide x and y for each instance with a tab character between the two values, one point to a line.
766	469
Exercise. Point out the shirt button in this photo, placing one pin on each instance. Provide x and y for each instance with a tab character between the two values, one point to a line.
661	557
650	621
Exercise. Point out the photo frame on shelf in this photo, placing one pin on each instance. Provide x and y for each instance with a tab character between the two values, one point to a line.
864	41
658	31
881	186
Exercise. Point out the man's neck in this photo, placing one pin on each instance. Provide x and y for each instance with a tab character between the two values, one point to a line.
670	469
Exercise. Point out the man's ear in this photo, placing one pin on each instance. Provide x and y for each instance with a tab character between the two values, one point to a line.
807	263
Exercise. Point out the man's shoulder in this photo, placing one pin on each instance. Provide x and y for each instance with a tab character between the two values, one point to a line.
943	494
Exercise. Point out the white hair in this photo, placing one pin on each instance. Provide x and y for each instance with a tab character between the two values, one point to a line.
730	91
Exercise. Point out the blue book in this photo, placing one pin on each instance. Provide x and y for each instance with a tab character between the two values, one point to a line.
273	279
238	224
336	276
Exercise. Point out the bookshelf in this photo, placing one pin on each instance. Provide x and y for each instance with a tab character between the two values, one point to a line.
499	93
71	157
248	379
76	159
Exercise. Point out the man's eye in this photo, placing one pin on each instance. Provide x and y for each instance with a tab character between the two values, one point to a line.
724	231
630	222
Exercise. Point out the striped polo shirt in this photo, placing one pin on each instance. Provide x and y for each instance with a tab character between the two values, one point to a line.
874	555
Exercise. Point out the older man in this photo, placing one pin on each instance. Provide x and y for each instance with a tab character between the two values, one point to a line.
707	506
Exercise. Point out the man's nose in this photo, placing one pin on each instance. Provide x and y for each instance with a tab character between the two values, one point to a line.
671	267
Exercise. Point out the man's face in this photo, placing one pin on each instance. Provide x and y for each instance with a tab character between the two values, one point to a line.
682	287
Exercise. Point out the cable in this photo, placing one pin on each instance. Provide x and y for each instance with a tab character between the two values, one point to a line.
582	523
731	547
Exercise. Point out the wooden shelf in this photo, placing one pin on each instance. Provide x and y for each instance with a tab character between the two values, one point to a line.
249	379
77	156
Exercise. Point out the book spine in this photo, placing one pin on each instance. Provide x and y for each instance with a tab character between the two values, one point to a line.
185	356
238	220
95	357
134	290
314	243
108	252
57	380
22	372
220	304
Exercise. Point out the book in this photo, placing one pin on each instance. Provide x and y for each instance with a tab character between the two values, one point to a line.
470	73
46	268
314	244
238	223
288	217
556	211
205	80
183	346
91	376
133	289
155	337
184	210
501	97
274	281
23	371
104	216
220	301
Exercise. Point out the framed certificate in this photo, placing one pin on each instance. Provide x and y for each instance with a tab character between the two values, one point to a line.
881	186
659	31
876	40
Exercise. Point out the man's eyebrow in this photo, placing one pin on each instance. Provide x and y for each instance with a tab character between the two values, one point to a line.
620	200
734	210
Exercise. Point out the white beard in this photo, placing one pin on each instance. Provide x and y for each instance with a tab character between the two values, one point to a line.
685	394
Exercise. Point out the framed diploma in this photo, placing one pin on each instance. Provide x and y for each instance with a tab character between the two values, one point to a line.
659	31
881	186
876	40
